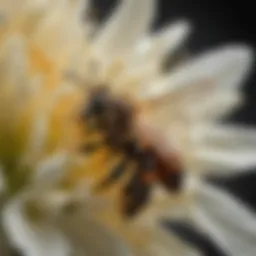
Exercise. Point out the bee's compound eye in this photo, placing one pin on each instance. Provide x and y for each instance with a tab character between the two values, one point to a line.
97	105
94	108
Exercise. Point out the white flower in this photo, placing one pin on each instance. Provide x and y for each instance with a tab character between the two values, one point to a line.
49	61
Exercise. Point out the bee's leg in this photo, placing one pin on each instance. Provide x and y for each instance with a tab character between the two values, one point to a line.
136	195
90	147
172	181
148	168
130	150
137	192
115	174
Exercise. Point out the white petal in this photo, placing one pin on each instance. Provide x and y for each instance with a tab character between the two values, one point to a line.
92	238
30	13
80	6
36	84
51	170
32	239
223	162
225	136
164	242
199	79
40	125
9	8
13	62
131	80
162	43
128	24
157	240
221	150
221	103
59	33
37	138
227	221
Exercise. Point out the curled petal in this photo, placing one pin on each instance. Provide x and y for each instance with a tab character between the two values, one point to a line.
33	239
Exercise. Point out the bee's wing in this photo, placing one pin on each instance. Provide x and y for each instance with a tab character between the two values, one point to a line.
205	87
226	220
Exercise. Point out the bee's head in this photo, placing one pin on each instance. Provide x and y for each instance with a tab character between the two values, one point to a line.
106	112
96	107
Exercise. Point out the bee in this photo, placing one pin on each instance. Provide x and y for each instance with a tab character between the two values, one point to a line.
137	142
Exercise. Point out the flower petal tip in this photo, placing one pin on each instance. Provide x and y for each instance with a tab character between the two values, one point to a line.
241	54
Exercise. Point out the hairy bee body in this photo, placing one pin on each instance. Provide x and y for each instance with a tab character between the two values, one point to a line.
123	133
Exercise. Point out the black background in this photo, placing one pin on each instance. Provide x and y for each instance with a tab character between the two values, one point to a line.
215	23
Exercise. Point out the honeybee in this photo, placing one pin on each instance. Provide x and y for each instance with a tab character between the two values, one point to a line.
137	142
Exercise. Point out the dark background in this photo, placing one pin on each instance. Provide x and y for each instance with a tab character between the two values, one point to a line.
215	23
